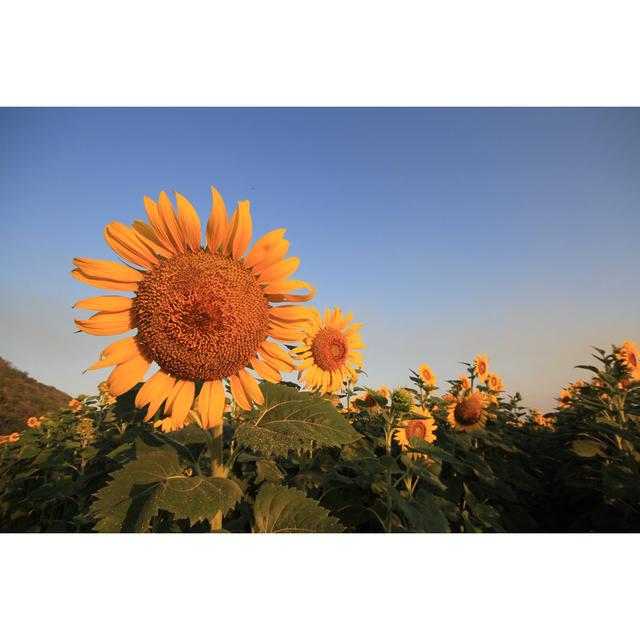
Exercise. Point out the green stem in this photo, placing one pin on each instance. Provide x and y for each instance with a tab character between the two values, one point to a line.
214	442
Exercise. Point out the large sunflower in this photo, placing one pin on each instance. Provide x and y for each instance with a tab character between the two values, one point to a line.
203	314
328	353
468	412
422	427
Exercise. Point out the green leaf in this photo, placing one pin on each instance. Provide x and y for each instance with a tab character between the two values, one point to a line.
588	448
268	471
291	419
154	481
421	512
280	509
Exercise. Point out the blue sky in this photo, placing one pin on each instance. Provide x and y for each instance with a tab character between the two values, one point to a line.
448	232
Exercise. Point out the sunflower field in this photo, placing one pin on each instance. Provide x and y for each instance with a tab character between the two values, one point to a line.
215	440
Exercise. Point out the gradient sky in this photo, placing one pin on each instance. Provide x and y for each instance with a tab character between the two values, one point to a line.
447	232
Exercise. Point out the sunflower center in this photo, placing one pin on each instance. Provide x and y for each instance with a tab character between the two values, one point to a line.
468	411
329	349
201	316
416	429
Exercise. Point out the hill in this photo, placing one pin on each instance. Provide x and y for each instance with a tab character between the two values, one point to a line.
21	396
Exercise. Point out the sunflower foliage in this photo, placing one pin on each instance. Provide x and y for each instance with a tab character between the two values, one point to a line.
358	460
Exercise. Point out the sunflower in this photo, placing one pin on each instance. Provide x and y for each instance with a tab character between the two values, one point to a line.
468	413
422	427
33	422
465	383
75	405
328	353
202	314
495	382
565	398
426	375
482	367
385	392
629	355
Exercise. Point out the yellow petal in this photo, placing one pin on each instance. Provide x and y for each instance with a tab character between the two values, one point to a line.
279	271
107	270
277	252
127	245
265	371
149	238
154	392
182	402
250	386
238	393
117	352
102	283
105	303
239	233
106	323
278	353
218	222
284	286
290	313
211	403
170	223
126	375
189	223
285	335
263	247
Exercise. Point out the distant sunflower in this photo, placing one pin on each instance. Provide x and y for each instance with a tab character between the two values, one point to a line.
385	392
328	354
426	375
422	427
33	422
468	413
482	367
629	355
203	314
495	382
465	383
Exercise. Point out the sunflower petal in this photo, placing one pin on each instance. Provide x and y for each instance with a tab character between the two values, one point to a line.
127	245
117	352
105	303
250	386
149	238
182	402
265	371
279	271
211	403
107	323
276	253
101	283
189	223
108	270
217	223
263	247
278	353
127	374
290	313
237	391
239	233
156	394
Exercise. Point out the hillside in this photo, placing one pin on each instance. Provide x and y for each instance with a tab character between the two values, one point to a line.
21	396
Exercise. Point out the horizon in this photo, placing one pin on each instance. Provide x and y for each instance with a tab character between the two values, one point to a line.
447	232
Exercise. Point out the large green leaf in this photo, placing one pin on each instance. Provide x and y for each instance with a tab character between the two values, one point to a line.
280	509
156	480
291	419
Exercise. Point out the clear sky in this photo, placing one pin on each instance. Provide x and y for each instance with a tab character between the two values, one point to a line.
448	232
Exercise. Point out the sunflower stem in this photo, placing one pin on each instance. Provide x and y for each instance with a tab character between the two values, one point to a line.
214	442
